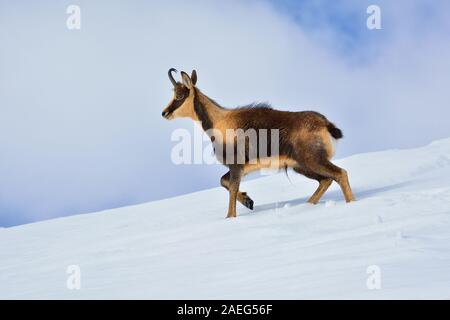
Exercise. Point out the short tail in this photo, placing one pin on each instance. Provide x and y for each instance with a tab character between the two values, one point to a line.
285	170
335	132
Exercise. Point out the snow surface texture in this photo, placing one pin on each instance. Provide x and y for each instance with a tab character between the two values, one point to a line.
184	248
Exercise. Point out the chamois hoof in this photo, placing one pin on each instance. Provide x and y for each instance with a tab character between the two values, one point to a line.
248	203
245	200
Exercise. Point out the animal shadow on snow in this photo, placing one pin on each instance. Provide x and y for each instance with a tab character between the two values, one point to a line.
335	195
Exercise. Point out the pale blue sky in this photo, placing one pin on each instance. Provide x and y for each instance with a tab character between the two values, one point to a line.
80	111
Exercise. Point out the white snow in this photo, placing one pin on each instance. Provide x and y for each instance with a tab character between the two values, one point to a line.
183	248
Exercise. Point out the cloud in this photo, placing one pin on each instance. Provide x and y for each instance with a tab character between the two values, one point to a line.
81	127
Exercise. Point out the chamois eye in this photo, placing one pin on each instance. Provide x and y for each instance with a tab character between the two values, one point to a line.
179	97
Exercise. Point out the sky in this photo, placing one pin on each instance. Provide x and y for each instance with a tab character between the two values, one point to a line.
80	110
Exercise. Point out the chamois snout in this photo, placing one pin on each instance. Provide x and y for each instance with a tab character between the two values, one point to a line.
165	114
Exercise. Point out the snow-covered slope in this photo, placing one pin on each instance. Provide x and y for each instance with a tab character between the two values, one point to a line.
184	248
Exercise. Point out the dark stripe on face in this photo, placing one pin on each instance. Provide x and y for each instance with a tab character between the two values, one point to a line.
202	114
181	94
175	105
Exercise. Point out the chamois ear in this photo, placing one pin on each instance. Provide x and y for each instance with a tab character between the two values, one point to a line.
194	77
186	80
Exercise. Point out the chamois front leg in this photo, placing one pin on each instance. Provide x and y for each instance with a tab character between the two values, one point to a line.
233	189
242	197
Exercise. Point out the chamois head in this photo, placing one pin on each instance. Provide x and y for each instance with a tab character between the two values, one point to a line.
182	103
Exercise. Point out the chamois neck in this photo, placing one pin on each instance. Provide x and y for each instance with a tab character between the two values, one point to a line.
207	110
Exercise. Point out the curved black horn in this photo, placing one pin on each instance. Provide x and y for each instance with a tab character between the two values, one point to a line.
171	77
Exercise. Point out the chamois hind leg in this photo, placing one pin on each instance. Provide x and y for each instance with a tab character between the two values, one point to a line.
324	184
325	168
242	197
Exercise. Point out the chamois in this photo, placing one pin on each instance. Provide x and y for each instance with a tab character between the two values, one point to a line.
305	141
